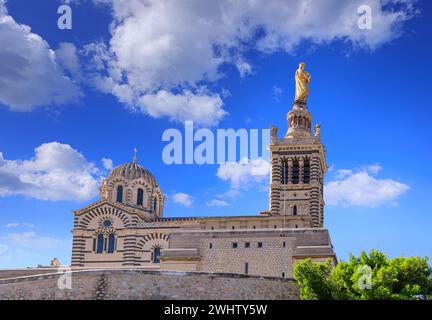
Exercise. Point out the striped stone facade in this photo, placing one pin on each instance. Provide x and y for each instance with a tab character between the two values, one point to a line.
297	169
125	228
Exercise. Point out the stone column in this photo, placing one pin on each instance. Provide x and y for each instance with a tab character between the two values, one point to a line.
301	168
78	247
315	169
276	170
290	166
316	192
129	257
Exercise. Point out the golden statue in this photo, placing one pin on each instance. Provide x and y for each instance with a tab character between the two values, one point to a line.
135	155
302	78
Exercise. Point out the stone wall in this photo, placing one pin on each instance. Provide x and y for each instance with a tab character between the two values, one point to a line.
157	285
14	273
260	252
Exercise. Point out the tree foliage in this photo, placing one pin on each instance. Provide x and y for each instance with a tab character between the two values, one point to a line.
366	277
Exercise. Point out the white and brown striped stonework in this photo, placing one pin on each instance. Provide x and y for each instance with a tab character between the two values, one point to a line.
126	227
297	169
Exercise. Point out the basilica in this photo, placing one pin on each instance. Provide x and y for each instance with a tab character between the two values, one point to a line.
126	227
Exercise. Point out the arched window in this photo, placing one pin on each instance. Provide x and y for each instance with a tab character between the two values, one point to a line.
306	171
156	255
120	194
100	243
285	169
154	204
294	212
111	243
140	197
295	172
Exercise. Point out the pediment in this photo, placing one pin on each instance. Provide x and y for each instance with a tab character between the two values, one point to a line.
99	205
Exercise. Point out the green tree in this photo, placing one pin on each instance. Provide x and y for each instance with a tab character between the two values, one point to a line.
366	277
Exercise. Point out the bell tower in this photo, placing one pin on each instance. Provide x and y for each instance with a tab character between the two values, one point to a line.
297	162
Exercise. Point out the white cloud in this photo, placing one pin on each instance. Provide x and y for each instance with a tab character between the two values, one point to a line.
163	52
67	56
29	73
342	173
183	199
276	93
205	109
28	225
12	225
18	249
362	188
374	168
33	240
217	203
244	173
243	67
164	55
17	224
57	172
107	164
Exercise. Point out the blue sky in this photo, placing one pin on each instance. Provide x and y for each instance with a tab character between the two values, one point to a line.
125	73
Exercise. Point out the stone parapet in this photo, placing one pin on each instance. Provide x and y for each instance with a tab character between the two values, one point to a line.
136	284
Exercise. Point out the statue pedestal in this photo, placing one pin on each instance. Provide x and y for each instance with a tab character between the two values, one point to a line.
299	104
299	121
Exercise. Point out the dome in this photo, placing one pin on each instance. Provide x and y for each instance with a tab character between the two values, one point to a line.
133	171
